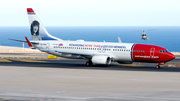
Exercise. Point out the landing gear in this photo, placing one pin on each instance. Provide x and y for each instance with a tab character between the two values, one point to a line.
157	67
89	63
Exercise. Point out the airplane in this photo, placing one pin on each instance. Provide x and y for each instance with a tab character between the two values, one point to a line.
100	53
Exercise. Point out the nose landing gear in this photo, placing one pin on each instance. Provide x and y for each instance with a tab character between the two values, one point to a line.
158	65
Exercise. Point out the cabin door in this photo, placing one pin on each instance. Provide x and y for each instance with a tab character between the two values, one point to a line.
152	51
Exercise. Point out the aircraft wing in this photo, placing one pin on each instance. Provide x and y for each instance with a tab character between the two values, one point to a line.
85	55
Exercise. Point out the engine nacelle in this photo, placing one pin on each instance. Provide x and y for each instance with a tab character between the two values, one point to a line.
104	60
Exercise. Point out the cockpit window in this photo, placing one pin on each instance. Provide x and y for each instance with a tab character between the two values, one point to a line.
163	51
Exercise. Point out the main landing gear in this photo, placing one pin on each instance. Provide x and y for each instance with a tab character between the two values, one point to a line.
89	63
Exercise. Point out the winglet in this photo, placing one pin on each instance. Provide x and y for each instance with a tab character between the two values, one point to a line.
29	43
119	40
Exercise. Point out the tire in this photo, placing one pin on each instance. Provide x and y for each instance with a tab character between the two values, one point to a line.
157	67
89	63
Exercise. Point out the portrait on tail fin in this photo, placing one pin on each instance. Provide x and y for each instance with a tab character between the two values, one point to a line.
35	28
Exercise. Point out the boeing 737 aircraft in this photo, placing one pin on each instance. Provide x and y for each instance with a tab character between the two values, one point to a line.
102	53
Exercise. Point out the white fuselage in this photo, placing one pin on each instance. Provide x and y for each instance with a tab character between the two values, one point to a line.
119	51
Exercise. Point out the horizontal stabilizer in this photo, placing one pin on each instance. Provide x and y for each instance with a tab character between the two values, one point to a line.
18	40
23	41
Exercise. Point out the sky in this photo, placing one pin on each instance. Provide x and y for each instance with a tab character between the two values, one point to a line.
92	12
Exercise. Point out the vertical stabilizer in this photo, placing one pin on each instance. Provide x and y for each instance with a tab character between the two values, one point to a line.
37	29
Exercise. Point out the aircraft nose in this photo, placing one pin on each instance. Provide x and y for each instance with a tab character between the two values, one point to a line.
171	56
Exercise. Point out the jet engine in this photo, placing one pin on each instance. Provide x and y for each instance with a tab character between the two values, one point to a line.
103	60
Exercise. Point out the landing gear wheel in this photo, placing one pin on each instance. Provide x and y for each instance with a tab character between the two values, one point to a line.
89	63
157	67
